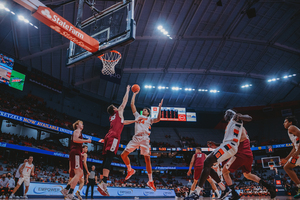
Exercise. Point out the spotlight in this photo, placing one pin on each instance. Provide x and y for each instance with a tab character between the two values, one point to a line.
21	17
7	9
25	20
219	3
166	33
274	79
285	77
294	74
159	27
12	12
2	6
290	76
36	27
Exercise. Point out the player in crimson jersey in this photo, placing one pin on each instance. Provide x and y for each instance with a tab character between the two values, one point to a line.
112	139
142	131
243	160
75	159
197	161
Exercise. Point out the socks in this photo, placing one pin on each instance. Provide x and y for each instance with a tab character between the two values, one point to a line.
221	185
198	190
298	185
104	179
71	191
232	189
68	187
129	167
218	193
150	177
263	183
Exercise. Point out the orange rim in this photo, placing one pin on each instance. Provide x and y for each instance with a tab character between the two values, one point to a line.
113	51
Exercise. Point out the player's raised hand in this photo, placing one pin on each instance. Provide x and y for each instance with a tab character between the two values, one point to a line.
211	144
128	87
161	102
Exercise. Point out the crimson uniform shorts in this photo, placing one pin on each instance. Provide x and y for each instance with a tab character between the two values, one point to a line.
197	172
111	144
75	160
244	163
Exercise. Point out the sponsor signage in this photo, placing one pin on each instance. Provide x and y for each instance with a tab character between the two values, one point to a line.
49	126
66	29
191	117
50	189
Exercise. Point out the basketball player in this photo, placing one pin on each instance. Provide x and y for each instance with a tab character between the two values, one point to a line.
112	139
292	160
226	150
85	170
26	170
141	140
75	159
197	161
243	160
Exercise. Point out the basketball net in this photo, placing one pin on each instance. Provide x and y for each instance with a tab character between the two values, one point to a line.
109	61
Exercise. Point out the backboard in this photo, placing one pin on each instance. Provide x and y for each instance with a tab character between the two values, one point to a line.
112	27
267	161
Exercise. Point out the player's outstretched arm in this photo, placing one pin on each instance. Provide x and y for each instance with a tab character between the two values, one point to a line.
159	112
239	116
127	122
76	138
132	103
125	99
32	171
191	165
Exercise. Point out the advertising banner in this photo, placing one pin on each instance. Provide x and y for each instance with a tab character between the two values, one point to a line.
50	189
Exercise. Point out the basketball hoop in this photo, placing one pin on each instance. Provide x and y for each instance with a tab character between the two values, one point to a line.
271	167
109	61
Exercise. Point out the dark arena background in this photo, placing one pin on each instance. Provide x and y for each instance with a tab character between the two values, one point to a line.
201	57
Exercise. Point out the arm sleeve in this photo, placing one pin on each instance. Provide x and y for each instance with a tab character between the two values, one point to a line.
136	114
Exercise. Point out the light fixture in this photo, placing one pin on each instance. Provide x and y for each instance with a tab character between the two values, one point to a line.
159	27
21	17
1	6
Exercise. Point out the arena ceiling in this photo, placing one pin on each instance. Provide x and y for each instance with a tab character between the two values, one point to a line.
213	47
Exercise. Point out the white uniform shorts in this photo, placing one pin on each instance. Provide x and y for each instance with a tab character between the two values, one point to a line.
225	151
26	181
142	142
295	160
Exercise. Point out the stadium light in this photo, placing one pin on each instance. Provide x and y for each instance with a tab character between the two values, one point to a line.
21	17
7	9
159	27
1	6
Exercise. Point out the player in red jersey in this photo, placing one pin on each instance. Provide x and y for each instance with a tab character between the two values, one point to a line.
198	161
243	160
112	139
75	158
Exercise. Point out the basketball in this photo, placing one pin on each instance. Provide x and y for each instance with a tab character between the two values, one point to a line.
135	88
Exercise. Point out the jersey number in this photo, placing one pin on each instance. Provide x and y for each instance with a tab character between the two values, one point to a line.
113	117
199	155
142	121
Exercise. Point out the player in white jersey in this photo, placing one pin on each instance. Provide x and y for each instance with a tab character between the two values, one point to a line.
292	160
141	140
226	150
26	170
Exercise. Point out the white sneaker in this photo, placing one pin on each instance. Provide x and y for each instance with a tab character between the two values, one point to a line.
25	197
78	195
102	188
17	197
11	196
69	197
64	192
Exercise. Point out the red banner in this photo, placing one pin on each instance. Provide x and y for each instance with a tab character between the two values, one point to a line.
66	29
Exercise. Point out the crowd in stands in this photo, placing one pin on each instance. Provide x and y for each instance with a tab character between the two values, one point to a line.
35	108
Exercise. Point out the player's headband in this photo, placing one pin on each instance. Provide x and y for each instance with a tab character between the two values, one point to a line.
229	114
